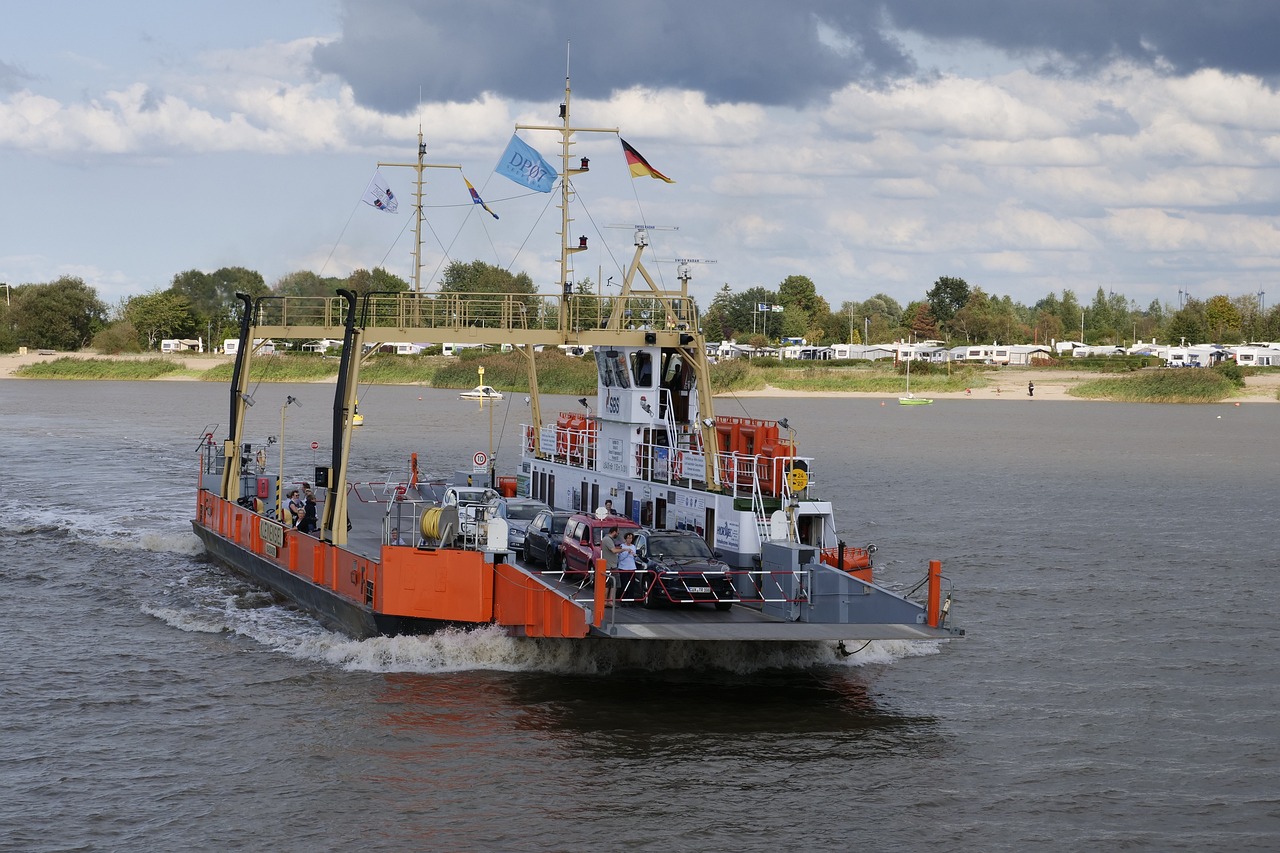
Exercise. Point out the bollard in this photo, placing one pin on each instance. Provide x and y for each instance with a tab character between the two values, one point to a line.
598	617
934	603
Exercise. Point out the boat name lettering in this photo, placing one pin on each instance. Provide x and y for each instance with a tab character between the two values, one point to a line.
271	533
727	534
613	404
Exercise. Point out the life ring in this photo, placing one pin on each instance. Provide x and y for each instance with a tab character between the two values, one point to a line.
677	464
262	459
530	445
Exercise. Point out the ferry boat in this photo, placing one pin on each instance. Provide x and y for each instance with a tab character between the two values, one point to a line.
651	444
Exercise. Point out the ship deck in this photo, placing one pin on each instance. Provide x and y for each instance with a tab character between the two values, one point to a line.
634	621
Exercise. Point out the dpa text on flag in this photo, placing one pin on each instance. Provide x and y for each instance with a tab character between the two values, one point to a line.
526	167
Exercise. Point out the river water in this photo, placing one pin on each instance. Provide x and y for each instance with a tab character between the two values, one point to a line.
1115	566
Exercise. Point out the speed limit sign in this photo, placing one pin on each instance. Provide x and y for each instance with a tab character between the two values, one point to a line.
481	459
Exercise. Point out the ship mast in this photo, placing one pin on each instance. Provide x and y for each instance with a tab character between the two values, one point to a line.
420	166
566	131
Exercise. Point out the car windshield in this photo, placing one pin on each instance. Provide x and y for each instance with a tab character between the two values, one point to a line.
679	546
522	512
558	523
472	496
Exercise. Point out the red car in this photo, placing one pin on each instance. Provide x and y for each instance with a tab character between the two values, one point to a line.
581	545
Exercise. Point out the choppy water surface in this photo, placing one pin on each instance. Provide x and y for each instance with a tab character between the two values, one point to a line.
1114	564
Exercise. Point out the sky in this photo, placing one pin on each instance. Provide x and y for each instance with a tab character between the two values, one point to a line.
1026	146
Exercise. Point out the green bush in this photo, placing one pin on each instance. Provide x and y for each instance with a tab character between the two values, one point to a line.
1166	385
1232	371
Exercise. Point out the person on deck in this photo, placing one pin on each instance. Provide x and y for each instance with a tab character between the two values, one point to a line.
309	513
627	554
609	549
395	536
296	507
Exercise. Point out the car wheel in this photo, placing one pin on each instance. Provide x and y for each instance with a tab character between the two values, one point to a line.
653	595
553	561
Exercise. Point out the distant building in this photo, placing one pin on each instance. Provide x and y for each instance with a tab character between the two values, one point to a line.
231	346
1258	355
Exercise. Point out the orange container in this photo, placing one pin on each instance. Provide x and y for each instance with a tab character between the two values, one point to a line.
507	487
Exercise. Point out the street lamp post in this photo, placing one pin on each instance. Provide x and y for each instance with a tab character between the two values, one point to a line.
288	401
492	468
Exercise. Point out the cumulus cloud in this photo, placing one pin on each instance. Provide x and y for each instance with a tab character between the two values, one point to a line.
750	51
753	51
1237	36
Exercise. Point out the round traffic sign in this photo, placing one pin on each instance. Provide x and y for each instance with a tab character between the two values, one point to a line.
481	459
315	445
799	479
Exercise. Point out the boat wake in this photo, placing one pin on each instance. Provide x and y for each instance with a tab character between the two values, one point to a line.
206	605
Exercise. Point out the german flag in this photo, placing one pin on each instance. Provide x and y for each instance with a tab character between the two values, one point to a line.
639	166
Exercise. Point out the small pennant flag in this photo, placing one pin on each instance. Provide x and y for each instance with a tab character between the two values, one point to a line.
475	198
379	194
526	167
640	166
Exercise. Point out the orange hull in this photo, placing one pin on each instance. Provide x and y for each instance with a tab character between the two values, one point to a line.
408	590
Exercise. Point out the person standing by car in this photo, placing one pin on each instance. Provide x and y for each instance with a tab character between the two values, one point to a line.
609	549
627	553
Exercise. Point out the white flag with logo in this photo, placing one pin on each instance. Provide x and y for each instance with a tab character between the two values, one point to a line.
379	194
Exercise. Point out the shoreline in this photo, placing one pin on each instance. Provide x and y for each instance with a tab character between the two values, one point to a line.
1009	384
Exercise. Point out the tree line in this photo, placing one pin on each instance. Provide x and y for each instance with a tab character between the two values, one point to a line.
68	314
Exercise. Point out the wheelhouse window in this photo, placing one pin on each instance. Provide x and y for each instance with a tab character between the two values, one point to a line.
642	368
612	366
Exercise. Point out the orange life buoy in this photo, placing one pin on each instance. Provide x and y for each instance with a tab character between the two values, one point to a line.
530	445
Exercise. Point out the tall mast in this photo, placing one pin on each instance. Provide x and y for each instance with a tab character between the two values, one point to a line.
567	247
420	167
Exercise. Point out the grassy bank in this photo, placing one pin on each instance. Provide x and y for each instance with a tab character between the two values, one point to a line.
854	376
1164	385
557	373
69	367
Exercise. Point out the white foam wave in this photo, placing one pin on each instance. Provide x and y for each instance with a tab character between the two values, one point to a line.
256	615
185	619
490	648
161	541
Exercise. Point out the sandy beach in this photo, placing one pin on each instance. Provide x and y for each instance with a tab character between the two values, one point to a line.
1009	385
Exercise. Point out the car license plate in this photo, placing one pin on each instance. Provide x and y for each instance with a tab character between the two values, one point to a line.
694	590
